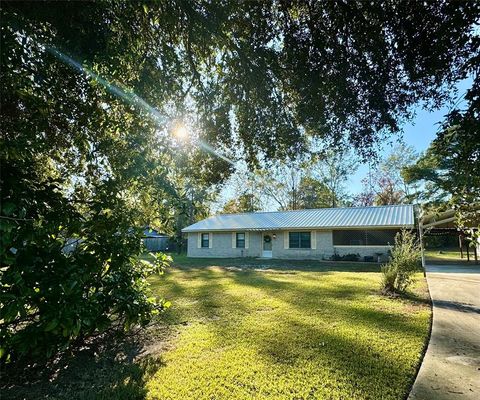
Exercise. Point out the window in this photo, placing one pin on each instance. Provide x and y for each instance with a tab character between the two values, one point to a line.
299	240
352	237
241	240
205	239
364	237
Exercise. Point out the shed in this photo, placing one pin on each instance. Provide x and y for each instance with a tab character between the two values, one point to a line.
154	240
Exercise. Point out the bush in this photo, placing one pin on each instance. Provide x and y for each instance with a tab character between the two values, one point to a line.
404	262
50	297
345	257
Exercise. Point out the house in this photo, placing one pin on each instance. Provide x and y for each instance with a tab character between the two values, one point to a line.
300	234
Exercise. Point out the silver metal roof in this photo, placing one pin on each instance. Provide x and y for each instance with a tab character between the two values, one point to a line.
352	217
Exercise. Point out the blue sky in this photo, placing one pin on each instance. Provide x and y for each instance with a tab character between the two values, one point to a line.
418	133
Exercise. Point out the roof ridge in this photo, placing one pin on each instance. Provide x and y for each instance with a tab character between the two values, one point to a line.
311	209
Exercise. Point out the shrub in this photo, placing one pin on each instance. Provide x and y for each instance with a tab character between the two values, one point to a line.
50	297
345	257
404	262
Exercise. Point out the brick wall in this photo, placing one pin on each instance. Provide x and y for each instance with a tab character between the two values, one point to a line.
222	246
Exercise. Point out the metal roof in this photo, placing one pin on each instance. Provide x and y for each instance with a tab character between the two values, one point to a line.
352	217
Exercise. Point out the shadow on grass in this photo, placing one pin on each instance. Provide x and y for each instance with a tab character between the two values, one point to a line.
302	298
294	339
105	369
216	298
183	262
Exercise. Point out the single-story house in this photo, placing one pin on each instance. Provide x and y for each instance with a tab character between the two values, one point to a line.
300	234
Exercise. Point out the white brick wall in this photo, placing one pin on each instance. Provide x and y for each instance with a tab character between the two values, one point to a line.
222	247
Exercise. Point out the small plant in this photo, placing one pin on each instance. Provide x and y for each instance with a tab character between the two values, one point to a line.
404	262
346	257
351	257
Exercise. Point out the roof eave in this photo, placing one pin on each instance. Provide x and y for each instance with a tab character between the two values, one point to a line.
396	226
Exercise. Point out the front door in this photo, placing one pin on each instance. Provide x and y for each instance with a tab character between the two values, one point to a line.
267	245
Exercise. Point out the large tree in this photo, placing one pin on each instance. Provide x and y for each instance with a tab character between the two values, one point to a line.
333	169
246	202
385	184
84	163
282	69
313	193
279	183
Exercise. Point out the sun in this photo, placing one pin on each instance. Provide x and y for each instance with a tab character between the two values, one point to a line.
180	132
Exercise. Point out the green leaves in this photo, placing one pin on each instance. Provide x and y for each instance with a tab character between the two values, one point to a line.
450	168
405	260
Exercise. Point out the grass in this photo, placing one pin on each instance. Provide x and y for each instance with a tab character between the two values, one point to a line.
263	330
287	331
448	255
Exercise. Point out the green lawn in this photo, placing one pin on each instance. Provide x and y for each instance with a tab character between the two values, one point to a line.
260	330
448	255
288	332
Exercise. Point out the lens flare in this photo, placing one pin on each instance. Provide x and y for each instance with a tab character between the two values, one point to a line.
131	98
181	132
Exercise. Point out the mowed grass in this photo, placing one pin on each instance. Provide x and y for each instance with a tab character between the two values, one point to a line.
290	332
251	329
448	255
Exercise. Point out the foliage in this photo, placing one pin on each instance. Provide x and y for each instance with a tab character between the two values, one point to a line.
404	263
345	257
279	182
280	71
387	193
191	203
450	168
400	157
246	202
384	184
77	164
316	180
333	168
313	193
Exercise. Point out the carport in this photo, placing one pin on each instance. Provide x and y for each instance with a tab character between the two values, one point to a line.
444	223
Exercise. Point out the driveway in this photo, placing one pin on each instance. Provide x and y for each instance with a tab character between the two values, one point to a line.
451	367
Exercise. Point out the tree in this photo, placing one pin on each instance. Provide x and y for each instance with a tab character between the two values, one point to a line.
312	193
391	167
450	168
246	202
279	182
81	161
282	70
387	193
384	184
333	169
405	261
